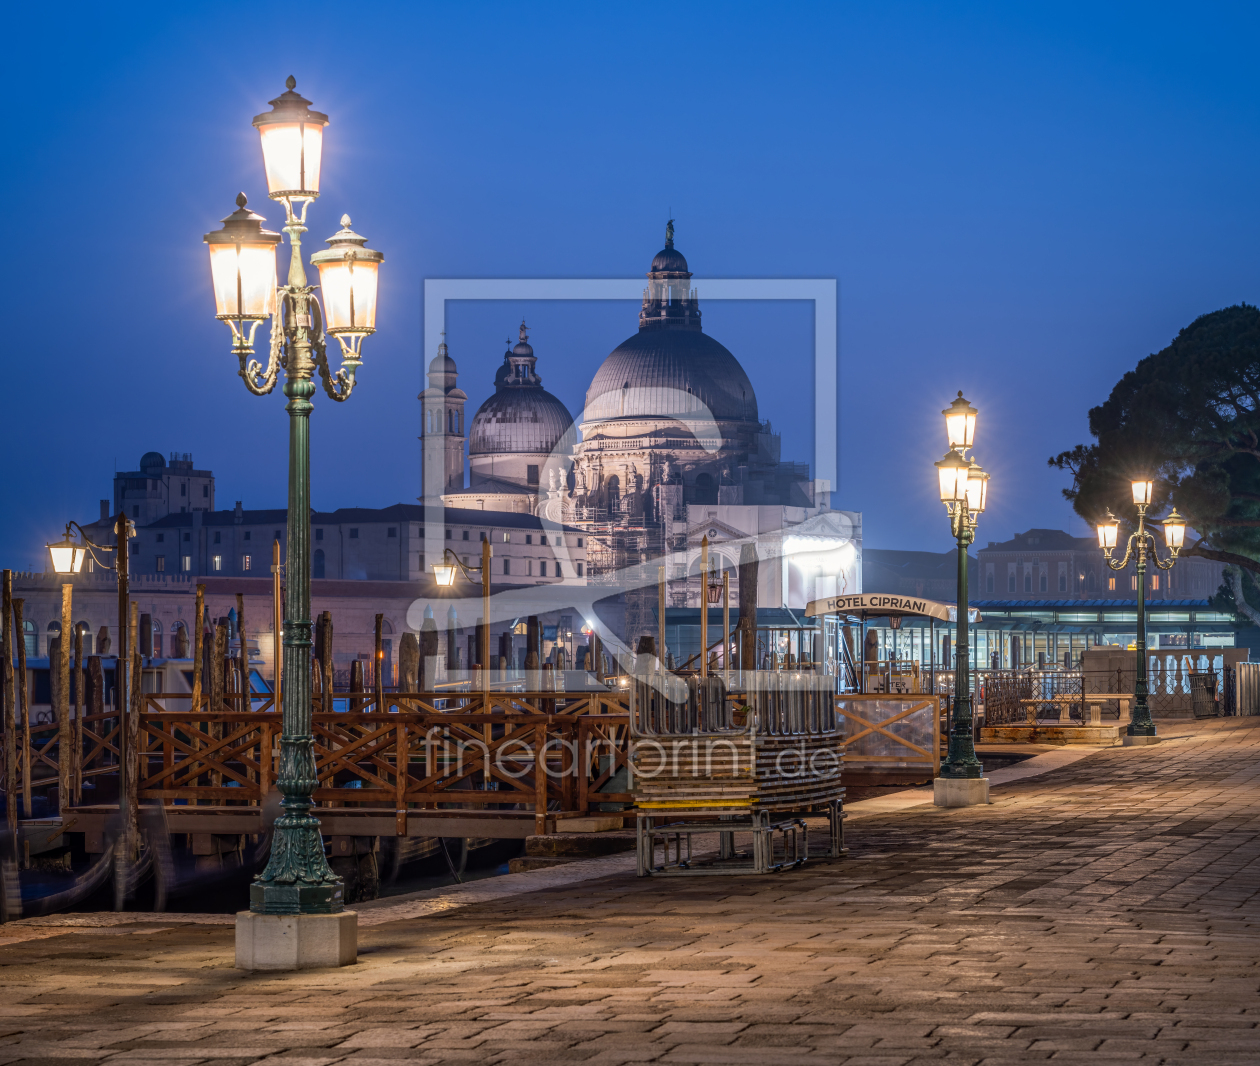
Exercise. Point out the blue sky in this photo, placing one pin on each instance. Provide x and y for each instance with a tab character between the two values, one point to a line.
1020	201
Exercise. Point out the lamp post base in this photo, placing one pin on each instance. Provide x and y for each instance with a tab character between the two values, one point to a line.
960	791
1131	741
296	941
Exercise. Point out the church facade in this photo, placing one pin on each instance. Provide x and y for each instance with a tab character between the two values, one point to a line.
669	448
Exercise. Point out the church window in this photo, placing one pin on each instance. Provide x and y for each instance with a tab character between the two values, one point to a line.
531	474
507	566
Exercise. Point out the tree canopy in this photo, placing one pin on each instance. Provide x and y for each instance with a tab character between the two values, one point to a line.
1188	417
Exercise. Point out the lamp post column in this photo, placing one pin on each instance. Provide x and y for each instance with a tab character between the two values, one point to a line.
961	760
1140	723
298	879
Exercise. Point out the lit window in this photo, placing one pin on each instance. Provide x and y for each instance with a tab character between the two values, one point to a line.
1155	582
507	538
244	562
185	563
159	562
1133	583
1111	584
217	562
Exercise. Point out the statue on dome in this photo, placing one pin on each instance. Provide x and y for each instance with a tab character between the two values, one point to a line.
669	234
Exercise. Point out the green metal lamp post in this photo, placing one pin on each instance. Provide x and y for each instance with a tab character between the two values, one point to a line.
298	879
1140	723
964	490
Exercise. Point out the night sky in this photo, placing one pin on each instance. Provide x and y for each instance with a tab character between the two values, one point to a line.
1019	201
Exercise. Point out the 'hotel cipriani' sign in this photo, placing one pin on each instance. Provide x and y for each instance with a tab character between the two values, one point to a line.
880	603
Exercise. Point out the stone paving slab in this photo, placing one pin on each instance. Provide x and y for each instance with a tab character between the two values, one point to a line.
1105	910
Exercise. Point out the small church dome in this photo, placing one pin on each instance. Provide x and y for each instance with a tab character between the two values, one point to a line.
521	416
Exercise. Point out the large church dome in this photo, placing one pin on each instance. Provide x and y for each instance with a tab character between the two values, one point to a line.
521	416
670	367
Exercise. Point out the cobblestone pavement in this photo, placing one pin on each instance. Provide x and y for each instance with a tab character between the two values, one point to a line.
1105	911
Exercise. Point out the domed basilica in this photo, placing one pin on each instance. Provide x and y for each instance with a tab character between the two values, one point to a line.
671	438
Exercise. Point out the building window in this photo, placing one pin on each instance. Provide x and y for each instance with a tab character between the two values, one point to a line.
159	563
421	562
216	563
135	549
465	534
1111	584
529	567
542	539
1010	583
205	492
579	544
507	538
483	534
354	534
1028	582
542	568
275	535
317	563
507	566
1090	583
531	475
465	560
1043	583
218	538
245	536
319	534
1133	583
579	569
392	531
529	538
183	489
185	563
187	537
135	510
1154	582
161	537
245	562
448	534
988	586
1063	582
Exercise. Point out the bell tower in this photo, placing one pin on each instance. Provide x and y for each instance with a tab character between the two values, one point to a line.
442	427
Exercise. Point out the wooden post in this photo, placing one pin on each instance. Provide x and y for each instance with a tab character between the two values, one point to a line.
327	662
95	702
218	667
533	652
746	626
726	622
65	733
660	618
23	705
240	629
485	627
704	606
10	707
133	734
597	653
356	685
79	704
378	667
198	640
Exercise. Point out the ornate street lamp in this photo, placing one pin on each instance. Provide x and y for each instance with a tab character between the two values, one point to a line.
964	490
298	879
444	575
1141	728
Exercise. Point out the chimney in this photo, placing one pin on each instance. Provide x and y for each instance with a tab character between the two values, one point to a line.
239	516
104	510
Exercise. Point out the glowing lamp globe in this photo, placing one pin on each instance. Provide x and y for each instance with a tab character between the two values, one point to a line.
952	472
347	279
1142	492
243	266
1108	532
977	488
67	557
960	424
444	574
292	143
1174	531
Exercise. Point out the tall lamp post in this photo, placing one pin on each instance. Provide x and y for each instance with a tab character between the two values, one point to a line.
444	575
297	880
1141	544
964	488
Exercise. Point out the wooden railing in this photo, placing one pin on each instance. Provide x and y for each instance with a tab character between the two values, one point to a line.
543	751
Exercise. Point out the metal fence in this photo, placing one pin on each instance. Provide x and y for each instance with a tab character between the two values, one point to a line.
1243	689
